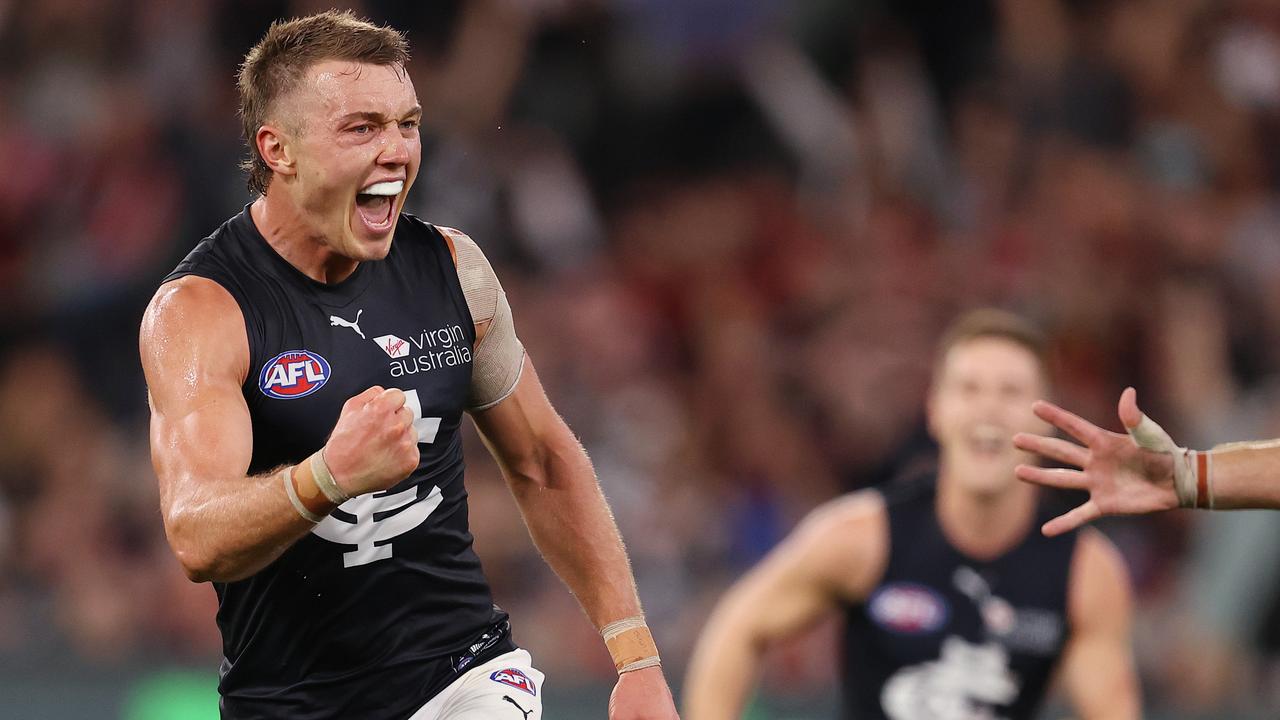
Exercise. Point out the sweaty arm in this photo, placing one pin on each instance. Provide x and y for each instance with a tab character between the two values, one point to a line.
836	555
1097	665
223	524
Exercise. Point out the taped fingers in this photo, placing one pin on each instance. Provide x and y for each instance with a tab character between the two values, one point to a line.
1052	448
1148	434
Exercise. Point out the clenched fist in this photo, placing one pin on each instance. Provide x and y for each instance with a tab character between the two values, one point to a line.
374	445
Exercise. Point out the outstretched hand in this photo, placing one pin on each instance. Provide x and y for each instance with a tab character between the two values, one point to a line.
1120	477
642	695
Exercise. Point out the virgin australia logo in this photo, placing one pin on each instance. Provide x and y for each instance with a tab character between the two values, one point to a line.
428	350
393	346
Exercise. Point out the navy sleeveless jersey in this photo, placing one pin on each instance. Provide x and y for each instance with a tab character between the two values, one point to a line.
384	602
945	636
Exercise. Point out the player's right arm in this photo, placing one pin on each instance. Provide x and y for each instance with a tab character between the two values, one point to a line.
836	555
222	523
1144	471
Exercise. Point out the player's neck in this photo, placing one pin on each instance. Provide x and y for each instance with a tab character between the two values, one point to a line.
288	233
984	525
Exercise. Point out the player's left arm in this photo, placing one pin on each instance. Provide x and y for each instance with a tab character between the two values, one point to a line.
1097	666
555	486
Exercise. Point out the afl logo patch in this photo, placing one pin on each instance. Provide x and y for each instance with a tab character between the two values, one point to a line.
908	608
293	374
516	679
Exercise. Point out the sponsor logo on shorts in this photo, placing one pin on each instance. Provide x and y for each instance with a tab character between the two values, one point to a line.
516	679
293	374
908	608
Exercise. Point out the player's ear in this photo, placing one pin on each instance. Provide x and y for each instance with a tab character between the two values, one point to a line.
274	147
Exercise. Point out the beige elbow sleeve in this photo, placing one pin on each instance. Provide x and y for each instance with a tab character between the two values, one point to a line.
499	359
499	356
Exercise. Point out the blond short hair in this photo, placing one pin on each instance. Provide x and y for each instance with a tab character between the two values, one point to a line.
275	65
999	324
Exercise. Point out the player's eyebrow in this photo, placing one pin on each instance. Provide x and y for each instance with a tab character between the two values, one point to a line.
374	116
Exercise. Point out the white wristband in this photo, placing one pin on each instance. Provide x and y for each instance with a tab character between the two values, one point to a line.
614	629
324	479
292	492
652	661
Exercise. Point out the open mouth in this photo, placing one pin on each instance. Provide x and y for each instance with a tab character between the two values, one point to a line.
376	204
989	440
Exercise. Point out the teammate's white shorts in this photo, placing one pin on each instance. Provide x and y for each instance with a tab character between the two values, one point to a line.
507	687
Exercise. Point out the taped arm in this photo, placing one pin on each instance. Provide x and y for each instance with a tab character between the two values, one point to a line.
499	355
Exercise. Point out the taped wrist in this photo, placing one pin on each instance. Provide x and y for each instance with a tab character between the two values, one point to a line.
324	479
291	489
630	644
311	488
1192	470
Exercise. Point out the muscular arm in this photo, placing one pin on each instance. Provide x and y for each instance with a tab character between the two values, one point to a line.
556	489
543	463
221	523
554	485
1097	666
838	553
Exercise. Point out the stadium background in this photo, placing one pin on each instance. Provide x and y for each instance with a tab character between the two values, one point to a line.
731	230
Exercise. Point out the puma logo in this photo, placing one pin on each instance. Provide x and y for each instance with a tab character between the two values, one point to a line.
513	702
335	321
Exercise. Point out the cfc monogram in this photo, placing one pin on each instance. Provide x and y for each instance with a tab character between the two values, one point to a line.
366	532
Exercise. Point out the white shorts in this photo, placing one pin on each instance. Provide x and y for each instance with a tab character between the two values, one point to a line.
507	687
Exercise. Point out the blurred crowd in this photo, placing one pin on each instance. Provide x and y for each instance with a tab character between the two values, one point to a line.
731	230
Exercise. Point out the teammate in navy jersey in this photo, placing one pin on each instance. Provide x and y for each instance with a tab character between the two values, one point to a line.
956	608
308	367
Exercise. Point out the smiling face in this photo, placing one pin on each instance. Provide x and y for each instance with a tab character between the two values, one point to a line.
348	152
982	394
